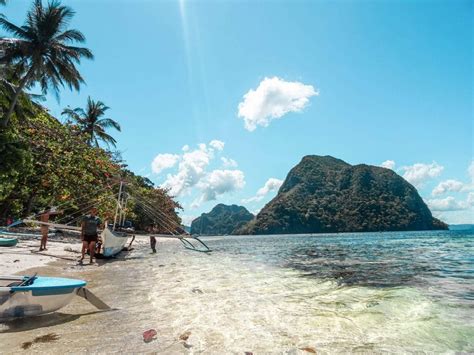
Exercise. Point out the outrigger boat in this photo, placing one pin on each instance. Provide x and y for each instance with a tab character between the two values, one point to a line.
25	296
112	242
114	237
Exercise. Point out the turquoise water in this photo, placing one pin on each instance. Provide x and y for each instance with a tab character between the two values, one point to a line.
348	293
441	263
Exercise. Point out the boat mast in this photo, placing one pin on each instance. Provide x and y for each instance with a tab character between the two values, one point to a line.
119	199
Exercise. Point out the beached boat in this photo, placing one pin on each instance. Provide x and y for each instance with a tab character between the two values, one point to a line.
8	242
113	242
23	296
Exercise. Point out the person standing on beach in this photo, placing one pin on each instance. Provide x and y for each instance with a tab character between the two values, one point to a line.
89	233
44	217
151	229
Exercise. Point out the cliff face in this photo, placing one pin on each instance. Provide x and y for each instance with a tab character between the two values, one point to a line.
221	220
323	194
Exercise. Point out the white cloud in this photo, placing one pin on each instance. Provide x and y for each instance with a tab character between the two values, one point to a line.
191	169
273	98
452	185
193	172
163	161
228	163
446	204
187	219
217	145
389	164
447	186
218	182
272	184
470	198
419	173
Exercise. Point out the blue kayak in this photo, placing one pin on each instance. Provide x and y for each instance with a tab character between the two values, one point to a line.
8	242
52	284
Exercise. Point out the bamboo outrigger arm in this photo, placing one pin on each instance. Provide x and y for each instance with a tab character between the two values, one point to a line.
54	225
185	239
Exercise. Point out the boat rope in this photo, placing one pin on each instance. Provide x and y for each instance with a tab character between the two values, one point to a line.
175	225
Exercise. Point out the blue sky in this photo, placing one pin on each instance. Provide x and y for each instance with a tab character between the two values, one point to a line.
364	81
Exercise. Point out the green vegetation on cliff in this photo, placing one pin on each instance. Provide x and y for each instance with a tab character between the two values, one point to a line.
222	219
46	163
323	194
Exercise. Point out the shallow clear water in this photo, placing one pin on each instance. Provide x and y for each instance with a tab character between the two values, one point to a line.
376	292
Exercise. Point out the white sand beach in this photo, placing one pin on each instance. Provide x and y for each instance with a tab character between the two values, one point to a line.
25	255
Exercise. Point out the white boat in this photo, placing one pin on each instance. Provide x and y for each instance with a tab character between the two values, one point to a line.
113	242
25	296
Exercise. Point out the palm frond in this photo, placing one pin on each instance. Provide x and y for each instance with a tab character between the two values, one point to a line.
108	122
12	28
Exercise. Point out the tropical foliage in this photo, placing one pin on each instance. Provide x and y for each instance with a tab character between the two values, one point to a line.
45	162
42	51
90	123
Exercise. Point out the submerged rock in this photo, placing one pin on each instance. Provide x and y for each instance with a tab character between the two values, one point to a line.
185	335
149	335
48	338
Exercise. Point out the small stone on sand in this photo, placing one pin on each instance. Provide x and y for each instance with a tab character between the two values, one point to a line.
149	335
309	350
185	335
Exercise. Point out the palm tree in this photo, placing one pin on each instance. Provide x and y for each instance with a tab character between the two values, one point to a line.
91	124
43	46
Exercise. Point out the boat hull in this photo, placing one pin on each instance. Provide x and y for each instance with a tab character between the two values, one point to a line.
8	242
25	304
112	242
45	295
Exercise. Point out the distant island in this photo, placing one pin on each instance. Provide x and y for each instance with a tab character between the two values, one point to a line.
222	220
461	227
323	194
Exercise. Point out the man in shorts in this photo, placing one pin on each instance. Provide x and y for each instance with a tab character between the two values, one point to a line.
90	233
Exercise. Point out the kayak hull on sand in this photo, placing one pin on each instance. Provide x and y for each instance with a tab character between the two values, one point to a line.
8	242
43	295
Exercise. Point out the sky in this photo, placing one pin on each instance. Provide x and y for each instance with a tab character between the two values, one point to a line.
218	100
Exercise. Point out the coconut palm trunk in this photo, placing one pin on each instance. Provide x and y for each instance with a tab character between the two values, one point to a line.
6	119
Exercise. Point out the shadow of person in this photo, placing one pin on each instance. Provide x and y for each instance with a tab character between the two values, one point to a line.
46	320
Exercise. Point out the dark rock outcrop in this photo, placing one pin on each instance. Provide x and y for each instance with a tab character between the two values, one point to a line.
222	219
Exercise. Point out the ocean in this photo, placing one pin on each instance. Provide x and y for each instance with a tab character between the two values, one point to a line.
398	292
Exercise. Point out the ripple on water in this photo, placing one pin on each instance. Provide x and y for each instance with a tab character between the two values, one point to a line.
255	295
